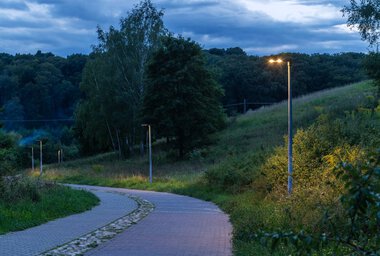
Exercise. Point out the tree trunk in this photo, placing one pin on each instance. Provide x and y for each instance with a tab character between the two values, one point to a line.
181	146
118	143
110	134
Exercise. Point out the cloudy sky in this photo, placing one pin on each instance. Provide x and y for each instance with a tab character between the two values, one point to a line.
260	27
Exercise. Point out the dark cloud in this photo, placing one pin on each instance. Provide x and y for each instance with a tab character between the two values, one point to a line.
69	26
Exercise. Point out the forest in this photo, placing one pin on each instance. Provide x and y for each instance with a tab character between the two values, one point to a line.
40	92
45	87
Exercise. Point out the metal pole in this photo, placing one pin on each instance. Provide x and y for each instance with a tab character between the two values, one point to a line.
59	156
150	155
245	106
290	134
32	159
40	157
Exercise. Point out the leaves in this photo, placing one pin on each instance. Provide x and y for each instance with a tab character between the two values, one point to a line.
182	98
366	16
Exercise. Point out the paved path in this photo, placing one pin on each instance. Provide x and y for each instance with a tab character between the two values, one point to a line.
179	226
41	238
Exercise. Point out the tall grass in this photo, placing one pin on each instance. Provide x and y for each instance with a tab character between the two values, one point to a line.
27	203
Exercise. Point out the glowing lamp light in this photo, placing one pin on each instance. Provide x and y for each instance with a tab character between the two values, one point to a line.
276	61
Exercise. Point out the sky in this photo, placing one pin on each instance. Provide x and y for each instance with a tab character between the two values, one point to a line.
259	27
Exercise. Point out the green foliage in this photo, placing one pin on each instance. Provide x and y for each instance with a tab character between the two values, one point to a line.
40	86
26	203
312	146
356	228
114	82
365	15
16	188
233	178
253	79
372	65
235	175
182	98
10	154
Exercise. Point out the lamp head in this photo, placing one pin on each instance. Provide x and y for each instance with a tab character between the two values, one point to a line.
276	61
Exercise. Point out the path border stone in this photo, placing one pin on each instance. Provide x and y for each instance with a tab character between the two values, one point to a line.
93	239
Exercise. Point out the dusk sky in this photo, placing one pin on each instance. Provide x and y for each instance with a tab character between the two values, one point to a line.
260	27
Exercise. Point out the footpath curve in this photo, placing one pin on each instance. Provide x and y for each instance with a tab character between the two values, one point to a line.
36	240
178	226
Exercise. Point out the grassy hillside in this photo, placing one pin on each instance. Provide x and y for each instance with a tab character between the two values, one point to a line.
233	172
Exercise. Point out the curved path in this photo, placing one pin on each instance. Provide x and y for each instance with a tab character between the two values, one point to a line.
49	235
179	225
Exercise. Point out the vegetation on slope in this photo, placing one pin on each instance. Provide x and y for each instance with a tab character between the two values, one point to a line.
333	125
25	202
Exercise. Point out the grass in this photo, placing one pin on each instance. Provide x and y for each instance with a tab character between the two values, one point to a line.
238	150
55	202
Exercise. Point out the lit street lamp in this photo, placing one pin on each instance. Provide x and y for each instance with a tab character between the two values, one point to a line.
290	121
150	151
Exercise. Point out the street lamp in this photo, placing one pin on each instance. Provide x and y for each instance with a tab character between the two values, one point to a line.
40	158
150	151
290	121
32	159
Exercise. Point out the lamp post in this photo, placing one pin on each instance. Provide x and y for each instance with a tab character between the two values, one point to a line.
290	126
150	151
40	157
32	159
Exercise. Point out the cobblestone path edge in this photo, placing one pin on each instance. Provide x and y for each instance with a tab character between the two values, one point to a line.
93	239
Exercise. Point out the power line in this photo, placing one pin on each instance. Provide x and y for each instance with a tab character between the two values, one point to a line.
36	120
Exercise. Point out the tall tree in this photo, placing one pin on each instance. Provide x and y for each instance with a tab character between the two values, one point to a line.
123	54
182	98
365	15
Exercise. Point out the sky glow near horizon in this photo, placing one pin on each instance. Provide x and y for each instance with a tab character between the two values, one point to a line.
260	27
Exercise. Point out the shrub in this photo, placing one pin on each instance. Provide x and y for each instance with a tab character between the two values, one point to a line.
318	148
10	156
16	188
355	230
234	174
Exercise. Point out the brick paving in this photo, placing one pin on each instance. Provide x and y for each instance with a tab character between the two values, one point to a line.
179	226
41	238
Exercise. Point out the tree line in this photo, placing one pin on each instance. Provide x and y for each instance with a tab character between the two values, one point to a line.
38	87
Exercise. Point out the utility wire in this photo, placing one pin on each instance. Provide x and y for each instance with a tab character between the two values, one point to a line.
37	120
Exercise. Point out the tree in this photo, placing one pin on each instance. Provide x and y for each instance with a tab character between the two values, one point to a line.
13	110
113	80
182	98
366	16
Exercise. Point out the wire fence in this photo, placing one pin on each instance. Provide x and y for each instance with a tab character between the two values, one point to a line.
243	107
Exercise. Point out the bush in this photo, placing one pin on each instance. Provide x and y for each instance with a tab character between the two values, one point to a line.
234	174
17	188
318	148
353	231
10	154
329	207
